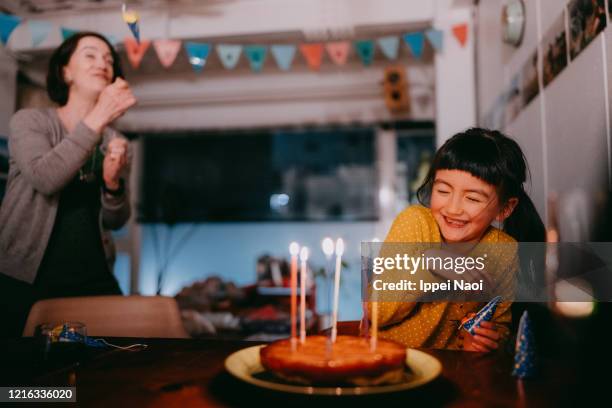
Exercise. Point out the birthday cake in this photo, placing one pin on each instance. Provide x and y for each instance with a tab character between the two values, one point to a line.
349	360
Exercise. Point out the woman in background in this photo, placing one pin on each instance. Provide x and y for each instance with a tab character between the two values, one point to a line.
67	183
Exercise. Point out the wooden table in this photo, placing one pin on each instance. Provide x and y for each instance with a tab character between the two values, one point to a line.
185	373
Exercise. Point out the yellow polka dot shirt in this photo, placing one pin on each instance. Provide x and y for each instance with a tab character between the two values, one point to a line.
435	324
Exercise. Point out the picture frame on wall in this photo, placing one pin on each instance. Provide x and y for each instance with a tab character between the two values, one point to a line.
513	99
587	18
554	50
530	79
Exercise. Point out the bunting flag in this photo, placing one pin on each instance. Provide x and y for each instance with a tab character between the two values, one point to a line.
135	50
131	18
256	54
8	23
229	54
460	31
283	54
365	50
338	51
197	53
389	46
166	51
39	30
68	32
415	41
436	38
313	53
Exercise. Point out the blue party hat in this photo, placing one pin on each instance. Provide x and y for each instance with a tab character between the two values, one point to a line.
484	314
524	354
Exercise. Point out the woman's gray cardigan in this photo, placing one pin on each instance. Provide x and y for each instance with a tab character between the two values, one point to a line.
44	158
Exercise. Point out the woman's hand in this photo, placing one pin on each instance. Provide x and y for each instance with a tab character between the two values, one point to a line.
486	338
115	161
113	102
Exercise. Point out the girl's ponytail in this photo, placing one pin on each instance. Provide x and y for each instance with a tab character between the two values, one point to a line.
525	224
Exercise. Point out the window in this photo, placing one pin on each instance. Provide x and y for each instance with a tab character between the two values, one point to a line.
320	174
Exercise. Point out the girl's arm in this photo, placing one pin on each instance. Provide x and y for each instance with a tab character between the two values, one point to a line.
490	335
411	226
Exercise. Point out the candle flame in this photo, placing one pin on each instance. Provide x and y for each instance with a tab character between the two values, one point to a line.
328	246
294	248
339	247
129	16
304	252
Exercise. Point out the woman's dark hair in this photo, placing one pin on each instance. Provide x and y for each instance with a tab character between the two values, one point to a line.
57	88
498	160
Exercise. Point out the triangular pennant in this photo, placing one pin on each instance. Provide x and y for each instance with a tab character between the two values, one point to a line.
229	54
365	50
7	24
39	30
313	54
167	50
135	50
460	31
436	38
283	54
68	32
131	18
338	51
389	46
256	55
197	53
415	42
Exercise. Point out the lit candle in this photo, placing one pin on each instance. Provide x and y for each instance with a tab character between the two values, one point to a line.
374	335
294	250
327	245
374	317
303	271
339	252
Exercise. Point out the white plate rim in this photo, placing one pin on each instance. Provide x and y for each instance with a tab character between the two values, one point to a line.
413	359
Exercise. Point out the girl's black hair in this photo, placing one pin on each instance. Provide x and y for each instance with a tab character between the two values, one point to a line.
498	160
57	88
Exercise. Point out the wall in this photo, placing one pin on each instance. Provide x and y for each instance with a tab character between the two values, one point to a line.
217	100
564	131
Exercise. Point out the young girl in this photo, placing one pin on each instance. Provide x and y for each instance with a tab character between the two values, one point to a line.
476	178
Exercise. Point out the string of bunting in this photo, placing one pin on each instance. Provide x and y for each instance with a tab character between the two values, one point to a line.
284	55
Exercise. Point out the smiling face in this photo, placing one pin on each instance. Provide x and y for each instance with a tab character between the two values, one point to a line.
90	68
465	206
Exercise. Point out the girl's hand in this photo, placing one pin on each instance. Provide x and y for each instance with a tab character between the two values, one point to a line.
115	161
486	338
113	102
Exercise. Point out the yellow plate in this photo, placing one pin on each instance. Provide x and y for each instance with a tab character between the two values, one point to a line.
246	366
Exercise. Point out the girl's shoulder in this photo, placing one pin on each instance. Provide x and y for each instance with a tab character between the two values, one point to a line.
495	235
414	224
417	212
